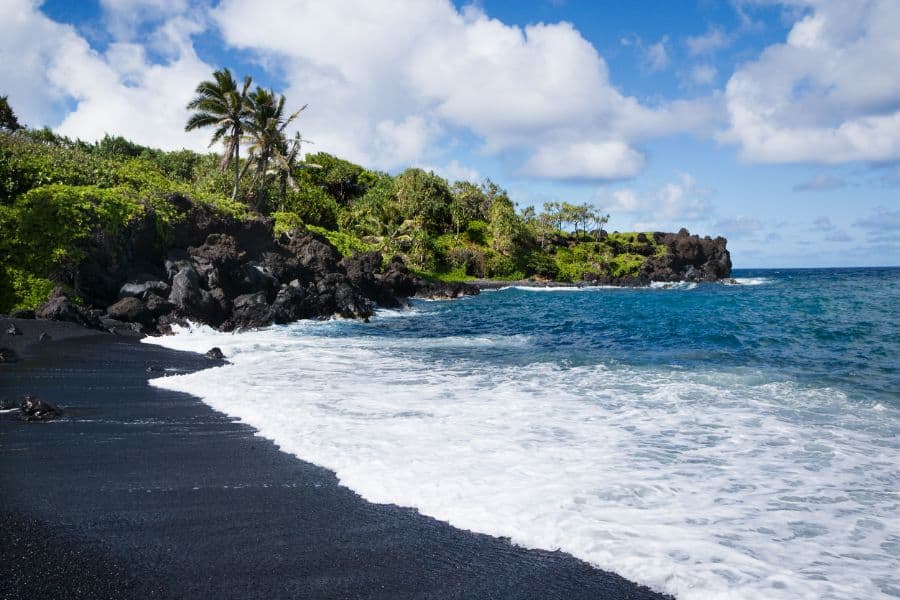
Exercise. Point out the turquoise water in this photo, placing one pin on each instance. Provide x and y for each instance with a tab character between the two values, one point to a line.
733	441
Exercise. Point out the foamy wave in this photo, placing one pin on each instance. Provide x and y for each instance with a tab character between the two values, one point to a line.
673	285
750	281
559	288
706	485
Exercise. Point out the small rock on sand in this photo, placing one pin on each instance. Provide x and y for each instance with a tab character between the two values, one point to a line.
33	408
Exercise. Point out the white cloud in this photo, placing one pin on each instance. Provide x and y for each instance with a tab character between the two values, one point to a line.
703	74
824	95
670	206
119	91
739	226
454	171
656	56
514	88
124	17
707	43
585	160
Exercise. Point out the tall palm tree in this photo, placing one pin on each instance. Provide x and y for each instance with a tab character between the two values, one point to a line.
220	104
265	135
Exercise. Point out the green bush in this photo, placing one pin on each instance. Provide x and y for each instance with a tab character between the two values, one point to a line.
477	232
286	221
313	205
345	243
46	232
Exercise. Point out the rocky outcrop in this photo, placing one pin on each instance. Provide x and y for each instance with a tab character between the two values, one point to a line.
60	307
33	408
689	258
228	273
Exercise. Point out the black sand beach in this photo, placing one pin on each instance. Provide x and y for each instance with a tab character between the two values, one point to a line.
141	492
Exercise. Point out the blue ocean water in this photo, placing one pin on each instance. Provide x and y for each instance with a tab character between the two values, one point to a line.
708	440
832	327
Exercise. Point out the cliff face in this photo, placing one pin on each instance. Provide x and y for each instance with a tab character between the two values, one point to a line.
228	273
689	258
236	273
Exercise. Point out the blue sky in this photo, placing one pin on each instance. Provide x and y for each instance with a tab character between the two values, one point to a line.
776	124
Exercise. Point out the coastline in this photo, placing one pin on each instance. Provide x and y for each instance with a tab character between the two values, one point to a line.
140	492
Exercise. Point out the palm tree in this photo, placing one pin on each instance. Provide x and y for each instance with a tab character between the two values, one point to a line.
265	134
287	159
220	104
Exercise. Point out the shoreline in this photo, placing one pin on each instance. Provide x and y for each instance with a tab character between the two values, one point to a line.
140	492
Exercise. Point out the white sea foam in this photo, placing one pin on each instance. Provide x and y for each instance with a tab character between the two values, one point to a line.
750	281
673	285
705	485
558	288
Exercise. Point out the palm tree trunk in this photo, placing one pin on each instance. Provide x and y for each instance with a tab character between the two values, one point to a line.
237	172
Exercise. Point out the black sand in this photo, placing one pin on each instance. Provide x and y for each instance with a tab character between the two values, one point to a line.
140	492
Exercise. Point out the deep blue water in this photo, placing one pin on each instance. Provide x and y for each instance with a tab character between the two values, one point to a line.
834	327
711	440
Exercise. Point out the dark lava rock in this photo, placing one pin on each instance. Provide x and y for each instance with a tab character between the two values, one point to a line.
145	290
33	408
60	308
215	353
292	303
7	355
218	253
689	257
193	300
336	295
158	306
44	337
315	255
13	330
130	310
22	314
121	327
251	310
7	404
154	369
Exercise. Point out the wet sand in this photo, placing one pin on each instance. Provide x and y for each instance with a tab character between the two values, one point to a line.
140	492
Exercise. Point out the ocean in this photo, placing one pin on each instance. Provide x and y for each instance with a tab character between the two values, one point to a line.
707	440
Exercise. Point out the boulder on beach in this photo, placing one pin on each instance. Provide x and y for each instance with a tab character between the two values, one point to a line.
33	408
59	307
215	353
13	330
8	355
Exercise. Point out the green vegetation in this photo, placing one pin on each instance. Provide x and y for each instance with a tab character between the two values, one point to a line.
58	195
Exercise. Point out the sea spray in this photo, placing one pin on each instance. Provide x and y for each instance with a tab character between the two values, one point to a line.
707	467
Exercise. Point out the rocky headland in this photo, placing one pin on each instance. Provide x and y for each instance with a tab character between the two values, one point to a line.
234	273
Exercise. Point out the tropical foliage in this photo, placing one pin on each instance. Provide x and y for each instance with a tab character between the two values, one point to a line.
55	191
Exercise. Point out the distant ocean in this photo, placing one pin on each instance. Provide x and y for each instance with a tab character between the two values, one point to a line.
711	440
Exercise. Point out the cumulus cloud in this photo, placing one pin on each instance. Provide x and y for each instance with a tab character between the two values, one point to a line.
51	71
454	171
820	183
515	88
703	74
822	96
669	206
714	39
585	160
739	226
656	56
